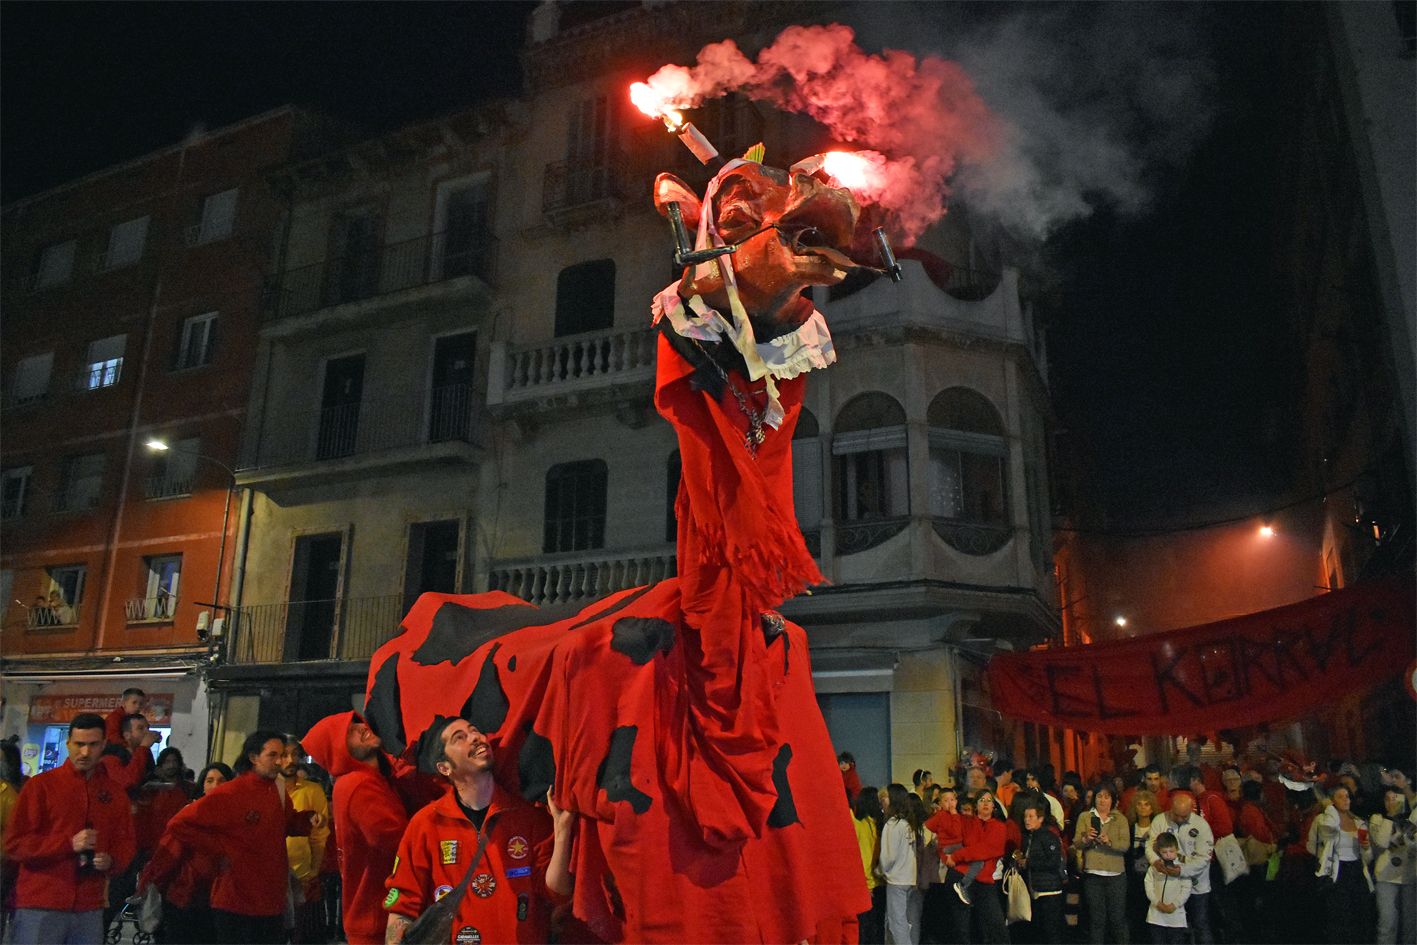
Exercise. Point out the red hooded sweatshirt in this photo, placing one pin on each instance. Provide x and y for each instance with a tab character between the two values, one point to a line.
244	822
52	808
369	821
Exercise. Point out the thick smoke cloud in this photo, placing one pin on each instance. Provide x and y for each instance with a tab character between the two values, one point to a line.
1032	115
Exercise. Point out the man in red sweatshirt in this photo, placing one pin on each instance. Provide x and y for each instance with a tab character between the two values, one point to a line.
131	703
244	822
369	819
524	865
72	829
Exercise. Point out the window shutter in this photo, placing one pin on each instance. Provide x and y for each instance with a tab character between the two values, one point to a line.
32	377
219	215
125	242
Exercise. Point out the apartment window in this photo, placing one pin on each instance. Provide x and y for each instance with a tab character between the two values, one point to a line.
14	487
125	244
83	483
585	297
590	150
56	265
968	464
461	231
872	476
575	506
163	573
32	378
218	218
198	341
807	472
66	593
173	470
104	364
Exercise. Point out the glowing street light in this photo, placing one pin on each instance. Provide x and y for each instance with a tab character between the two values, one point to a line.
1120	621
1266	531
157	446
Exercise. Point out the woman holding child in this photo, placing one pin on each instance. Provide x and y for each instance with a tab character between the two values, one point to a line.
984	841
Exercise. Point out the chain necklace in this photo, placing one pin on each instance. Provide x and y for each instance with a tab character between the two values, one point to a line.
756	434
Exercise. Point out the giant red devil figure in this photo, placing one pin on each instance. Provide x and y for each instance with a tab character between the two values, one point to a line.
678	720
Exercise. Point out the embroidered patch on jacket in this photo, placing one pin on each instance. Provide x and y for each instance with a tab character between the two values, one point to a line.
484	885
467	935
449	850
517	872
391	898
518	848
441	891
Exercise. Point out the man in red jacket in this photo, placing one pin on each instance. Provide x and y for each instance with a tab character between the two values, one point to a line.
72	828
244	822
369	819
525	863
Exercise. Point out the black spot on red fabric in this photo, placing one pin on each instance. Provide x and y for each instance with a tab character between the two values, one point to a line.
536	765
458	631
512	664
783	812
614	774
619	605
640	638
382	710
486	708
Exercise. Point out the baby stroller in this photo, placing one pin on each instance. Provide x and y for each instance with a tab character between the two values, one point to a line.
142	914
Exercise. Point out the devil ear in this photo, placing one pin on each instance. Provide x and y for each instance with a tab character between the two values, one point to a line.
670	189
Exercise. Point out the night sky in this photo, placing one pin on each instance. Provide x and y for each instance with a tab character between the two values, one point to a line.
1169	367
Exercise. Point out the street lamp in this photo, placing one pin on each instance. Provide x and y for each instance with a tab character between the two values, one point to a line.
1120	621
156	445
1266	531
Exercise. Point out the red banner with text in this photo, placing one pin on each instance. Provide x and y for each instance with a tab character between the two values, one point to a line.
1265	667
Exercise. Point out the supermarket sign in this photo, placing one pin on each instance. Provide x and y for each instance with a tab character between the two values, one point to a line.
62	709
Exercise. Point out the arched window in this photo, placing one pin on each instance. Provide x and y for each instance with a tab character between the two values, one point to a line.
872	471
807	480
968	471
585	297
575	506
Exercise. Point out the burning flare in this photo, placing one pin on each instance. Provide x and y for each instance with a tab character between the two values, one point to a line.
654	105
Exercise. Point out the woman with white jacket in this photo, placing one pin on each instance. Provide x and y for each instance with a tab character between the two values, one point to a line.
1345	850
900	847
1393	835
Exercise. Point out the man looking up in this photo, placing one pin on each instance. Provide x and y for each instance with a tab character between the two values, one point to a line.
130	760
246	822
369	819
132	702
72	829
525	862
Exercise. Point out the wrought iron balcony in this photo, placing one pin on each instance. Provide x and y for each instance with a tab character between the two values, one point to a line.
356	276
454	413
349	628
561	578
141	609
972	538
167	487
571	187
62	615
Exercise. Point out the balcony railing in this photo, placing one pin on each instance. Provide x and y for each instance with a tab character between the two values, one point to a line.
567	186
972	538
455	413
350	628
40	618
585	577
161	607
853	537
380	271
166	487
76	500
590	358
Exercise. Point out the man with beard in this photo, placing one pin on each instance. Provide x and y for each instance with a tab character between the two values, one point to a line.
524	863
369	819
306	854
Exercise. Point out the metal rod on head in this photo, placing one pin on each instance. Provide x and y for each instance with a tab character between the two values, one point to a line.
883	243
684	252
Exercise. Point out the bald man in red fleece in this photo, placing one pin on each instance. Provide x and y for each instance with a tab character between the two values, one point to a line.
369	819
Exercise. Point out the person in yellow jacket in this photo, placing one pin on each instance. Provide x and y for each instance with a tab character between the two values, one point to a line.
306	854
867	815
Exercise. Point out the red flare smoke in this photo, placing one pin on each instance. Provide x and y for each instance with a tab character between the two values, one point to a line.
921	118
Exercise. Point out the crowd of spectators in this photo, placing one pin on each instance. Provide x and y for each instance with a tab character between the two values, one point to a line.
1268	851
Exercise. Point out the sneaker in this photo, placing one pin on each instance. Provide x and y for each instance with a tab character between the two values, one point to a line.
963	896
